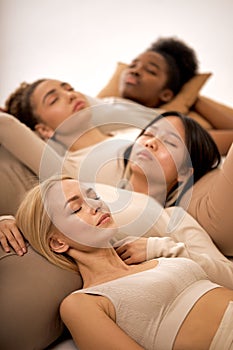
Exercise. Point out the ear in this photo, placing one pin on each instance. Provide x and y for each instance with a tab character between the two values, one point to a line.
184	174
44	131
166	95
58	244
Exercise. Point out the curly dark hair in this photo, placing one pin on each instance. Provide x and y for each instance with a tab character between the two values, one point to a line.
182	62
19	104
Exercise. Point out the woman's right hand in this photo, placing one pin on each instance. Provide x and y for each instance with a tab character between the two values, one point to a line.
10	237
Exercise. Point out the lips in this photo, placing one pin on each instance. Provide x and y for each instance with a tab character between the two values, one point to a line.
103	219
131	79
144	154
79	105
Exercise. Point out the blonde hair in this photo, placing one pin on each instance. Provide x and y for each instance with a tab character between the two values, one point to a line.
37	227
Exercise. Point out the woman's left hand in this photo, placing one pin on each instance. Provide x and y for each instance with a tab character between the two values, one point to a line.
132	250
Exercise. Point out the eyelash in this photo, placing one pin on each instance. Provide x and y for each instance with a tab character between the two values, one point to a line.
79	209
165	141
51	103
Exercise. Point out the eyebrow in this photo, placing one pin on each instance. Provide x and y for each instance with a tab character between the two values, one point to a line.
71	199
170	132
50	92
150	62
76	197
154	65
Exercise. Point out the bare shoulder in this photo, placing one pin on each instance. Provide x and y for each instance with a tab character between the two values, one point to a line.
86	303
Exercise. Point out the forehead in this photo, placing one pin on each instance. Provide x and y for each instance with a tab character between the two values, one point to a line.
69	187
61	190
44	87
172	124
152	57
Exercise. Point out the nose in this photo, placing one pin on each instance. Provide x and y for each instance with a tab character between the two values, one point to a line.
94	205
70	95
152	143
136	69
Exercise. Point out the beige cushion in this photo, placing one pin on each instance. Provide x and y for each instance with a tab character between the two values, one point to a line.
15	180
31	288
30	292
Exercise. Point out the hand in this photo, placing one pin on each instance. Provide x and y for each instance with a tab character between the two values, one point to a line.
10	236
132	250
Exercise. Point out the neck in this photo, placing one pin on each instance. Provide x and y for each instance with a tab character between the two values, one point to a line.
99	266
75	141
89	138
140	184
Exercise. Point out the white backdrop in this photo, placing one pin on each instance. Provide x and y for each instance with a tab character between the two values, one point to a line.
80	41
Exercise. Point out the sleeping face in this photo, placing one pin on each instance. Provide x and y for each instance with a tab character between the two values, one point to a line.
145	80
53	102
160	153
79	214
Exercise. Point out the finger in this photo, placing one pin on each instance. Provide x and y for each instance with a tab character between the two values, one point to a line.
125	255
8	240
120	250
19	239
129	260
5	245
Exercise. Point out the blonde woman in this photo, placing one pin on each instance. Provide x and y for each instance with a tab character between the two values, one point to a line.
122	306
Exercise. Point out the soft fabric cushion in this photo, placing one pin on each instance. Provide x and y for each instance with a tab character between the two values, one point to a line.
112	86
31	290
15	180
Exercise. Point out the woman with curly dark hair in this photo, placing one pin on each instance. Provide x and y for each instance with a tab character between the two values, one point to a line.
157	75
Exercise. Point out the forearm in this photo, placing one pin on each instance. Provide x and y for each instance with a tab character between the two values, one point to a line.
25	145
188	239
223	139
218	115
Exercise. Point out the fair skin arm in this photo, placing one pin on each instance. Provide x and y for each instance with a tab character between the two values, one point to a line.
88	318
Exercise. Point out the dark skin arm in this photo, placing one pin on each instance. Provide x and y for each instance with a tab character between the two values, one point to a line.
221	119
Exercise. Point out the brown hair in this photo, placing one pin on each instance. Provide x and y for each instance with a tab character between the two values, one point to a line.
19	104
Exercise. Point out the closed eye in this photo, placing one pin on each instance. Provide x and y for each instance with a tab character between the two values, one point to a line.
151	72
77	210
53	101
147	134
170	143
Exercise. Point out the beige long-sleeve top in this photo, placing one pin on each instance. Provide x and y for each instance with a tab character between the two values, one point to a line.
212	196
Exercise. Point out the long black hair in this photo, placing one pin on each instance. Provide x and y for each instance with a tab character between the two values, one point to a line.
202	149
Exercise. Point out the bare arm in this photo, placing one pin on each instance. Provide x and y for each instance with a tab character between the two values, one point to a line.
25	145
88	318
219	115
221	119
223	139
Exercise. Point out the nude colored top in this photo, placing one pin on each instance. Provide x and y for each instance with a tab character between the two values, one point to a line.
151	305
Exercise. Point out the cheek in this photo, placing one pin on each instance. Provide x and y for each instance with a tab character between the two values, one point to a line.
168	163
140	141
